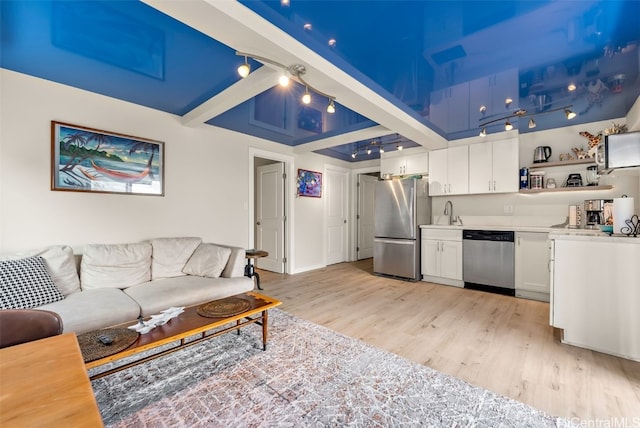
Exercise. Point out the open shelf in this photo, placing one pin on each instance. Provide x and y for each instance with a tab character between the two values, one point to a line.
567	189
563	163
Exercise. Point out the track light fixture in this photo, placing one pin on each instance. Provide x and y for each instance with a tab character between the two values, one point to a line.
370	147
296	71
508	126
244	69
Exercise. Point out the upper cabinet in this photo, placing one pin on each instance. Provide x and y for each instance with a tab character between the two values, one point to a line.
491	92
449	108
449	171
404	164
493	166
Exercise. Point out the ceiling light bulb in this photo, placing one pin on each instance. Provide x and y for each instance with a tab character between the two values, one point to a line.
284	3
508	126
331	108
353	155
284	80
571	87
399	147
507	102
307	27
368	151
570	115
306	98
244	69
483	133
381	149
332	43
532	123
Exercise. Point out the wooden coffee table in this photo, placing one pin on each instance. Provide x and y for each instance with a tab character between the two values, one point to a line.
189	324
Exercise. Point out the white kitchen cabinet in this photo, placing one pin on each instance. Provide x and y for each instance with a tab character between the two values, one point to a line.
409	164
532	256
442	256
491	92
449	171
595	293
494	167
449	108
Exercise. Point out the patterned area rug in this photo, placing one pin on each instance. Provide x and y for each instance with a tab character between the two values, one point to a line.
309	376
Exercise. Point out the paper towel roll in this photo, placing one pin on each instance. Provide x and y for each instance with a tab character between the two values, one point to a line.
622	211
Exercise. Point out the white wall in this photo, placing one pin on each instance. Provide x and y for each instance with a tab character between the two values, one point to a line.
206	178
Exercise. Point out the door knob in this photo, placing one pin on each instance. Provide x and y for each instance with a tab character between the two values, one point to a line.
258	223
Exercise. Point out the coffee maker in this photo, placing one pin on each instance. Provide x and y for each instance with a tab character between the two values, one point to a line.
594	212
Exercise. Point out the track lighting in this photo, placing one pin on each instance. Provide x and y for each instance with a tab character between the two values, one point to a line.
570	114
381	149
331	108
354	154
368	150
295	70
507	102
244	69
508	126
306	98
399	147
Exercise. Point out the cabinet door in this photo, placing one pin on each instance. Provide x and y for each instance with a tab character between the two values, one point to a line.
451	259
481	168
437	172
392	165
430	257
506	166
532	262
417	163
458	108
458	170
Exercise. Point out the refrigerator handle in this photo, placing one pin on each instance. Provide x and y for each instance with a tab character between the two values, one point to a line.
396	241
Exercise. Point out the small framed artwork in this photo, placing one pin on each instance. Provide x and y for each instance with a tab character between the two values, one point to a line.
309	183
91	160
310	119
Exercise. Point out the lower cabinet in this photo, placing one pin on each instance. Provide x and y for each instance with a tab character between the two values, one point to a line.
442	256
532	255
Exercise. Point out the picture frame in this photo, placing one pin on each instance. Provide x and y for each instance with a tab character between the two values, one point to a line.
309	183
92	160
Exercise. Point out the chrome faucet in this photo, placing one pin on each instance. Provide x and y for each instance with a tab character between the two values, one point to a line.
448	210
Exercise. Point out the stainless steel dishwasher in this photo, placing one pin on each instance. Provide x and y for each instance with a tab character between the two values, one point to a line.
488	260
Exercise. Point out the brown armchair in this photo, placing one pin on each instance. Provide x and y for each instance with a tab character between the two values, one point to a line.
24	325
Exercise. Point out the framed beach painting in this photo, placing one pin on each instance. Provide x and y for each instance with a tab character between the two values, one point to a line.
309	183
91	160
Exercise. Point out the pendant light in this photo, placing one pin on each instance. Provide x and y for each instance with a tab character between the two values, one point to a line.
306	98
331	108
244	69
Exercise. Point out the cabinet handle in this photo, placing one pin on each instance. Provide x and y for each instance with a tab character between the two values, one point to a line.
489	185
494	186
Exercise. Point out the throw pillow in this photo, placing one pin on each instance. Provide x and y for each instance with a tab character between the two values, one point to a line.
170	255
208	260
26	283
115	265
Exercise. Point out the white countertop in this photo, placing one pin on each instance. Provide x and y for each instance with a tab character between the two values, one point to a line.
554	232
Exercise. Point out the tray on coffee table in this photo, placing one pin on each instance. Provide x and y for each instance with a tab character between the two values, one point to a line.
190	323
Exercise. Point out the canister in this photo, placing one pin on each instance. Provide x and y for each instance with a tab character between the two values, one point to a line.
524	178
536	181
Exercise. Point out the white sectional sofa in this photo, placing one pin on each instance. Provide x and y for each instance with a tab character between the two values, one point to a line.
116	283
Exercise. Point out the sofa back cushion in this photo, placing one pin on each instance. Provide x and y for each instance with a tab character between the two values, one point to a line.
209	260
115	265
60	263
26	283
170	255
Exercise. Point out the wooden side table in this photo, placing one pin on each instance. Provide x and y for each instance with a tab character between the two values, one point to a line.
249	269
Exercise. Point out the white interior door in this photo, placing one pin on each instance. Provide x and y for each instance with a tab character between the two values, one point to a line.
270	216
336	215
366	186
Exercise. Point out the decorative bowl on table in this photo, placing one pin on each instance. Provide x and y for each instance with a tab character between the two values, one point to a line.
606	228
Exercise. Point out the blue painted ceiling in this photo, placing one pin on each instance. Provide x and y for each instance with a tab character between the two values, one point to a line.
415	54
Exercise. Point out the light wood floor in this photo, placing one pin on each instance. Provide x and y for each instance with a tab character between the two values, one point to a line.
500	343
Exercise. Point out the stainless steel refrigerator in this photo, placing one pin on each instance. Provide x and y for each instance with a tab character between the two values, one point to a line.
400	207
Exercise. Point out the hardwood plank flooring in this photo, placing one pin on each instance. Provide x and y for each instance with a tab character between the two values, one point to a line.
500	343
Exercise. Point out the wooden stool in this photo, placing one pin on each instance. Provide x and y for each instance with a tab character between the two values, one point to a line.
249	269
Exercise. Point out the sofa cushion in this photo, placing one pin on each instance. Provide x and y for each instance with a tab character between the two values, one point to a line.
60	263
189	290
94	309
115	265
208	260
236	264
170	255
26	283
